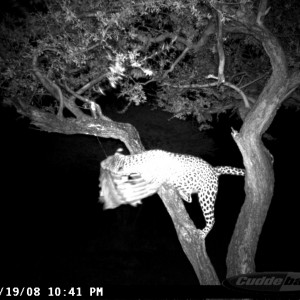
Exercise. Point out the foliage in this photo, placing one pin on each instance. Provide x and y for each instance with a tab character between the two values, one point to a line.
128	46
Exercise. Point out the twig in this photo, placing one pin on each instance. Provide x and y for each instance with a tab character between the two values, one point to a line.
249	83
179	58
246	102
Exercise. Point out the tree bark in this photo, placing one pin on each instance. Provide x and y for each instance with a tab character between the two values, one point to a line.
49	122
259	180
189	237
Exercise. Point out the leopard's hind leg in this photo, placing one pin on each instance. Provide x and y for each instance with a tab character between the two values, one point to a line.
207	197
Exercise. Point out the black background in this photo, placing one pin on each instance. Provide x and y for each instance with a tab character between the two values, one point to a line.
54	230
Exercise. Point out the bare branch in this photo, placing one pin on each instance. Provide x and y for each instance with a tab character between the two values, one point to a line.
88	86
246	102
54	89
179	58
94	107
244	97
221	76
188	86
49	85
253	81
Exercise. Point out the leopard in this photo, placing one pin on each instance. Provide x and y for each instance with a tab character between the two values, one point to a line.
188	174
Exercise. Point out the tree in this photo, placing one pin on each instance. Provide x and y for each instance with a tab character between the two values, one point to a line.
56	63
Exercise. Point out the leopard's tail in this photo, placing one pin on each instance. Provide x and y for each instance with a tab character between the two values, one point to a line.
229	170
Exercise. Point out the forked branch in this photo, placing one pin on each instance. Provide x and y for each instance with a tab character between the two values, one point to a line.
49	85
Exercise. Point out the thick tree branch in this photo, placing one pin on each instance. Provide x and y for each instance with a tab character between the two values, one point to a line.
50	86
189	237
124	132
54	90
259	180
206	85
94	107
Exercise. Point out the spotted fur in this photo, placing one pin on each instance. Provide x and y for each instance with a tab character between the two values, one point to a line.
188	174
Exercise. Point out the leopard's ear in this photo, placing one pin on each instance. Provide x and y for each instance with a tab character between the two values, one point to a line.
113	163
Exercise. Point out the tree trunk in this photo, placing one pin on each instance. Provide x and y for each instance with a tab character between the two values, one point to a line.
259	185
259	180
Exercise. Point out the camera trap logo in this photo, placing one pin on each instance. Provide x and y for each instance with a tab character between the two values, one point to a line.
265	282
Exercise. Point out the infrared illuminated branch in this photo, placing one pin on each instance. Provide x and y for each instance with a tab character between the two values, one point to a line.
49	85
206	85
221	77
94	107
180	57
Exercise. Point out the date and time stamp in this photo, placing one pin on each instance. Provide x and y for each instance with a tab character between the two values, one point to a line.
51	291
